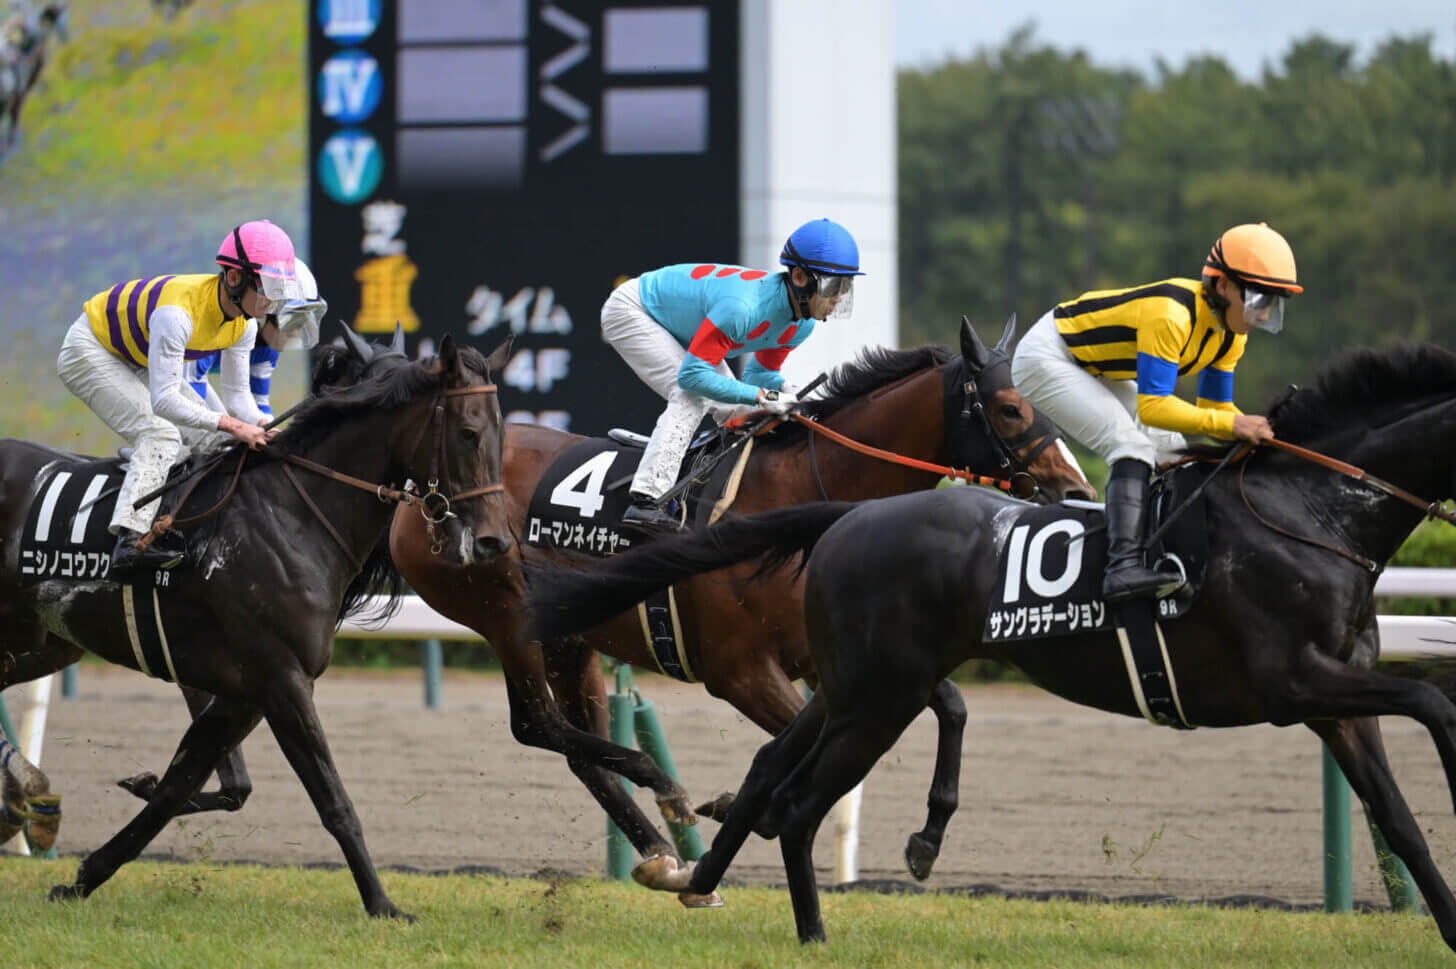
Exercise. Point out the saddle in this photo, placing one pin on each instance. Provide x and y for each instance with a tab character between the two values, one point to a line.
1049	582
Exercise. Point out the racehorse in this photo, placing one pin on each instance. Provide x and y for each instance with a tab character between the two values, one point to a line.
744	643
897	594
252	622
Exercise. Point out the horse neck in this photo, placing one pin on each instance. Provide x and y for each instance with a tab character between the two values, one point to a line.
1411	453
905	418
353	447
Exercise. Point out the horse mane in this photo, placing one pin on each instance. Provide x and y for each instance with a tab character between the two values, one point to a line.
873	368
378	577
319	415
1359	381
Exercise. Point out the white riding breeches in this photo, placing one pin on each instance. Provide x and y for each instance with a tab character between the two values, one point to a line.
118	393
1099	413
655	355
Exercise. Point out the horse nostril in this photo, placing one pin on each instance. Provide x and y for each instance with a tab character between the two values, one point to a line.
490	546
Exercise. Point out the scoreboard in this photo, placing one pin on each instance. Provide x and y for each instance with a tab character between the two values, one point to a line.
479	166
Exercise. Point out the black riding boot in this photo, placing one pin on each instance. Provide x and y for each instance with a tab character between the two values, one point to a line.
163	553
1127	498
649	515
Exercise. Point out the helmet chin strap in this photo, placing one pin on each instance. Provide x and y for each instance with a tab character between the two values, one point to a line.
798	295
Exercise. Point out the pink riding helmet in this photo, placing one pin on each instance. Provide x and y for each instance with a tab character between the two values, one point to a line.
262	251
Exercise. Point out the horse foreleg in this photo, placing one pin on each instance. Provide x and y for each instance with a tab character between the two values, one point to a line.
1358	749
537	721
232	773
923	848
26	789
289	708
222	725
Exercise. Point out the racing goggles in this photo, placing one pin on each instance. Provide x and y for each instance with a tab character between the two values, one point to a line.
1263	308
832	287
275	292
298	322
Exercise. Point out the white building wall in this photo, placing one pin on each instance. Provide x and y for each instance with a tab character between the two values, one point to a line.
818	141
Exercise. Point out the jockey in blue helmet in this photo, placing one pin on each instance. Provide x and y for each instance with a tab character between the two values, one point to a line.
677	325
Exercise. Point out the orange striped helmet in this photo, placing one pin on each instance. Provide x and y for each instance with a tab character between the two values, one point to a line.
1257	256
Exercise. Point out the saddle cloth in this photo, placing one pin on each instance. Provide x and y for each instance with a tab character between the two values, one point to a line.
1049	584
579	503
65	534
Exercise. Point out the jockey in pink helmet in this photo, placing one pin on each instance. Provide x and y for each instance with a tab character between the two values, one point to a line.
124	356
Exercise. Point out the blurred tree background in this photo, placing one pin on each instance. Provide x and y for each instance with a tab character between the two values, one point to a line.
1029	175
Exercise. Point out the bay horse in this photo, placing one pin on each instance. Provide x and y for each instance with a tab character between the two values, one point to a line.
897	593
745	642
252	623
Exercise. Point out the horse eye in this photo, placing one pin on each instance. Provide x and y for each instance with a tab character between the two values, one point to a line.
1011	412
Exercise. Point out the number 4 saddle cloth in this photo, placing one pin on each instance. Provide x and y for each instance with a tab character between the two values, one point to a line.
1049	583
579	503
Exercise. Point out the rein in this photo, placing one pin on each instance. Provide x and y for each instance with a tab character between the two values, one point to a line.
434	505
1431	509
893	458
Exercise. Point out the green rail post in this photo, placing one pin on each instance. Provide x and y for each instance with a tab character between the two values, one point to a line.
619	712
68	681
654	743
1397	877
1339	890
13	735
431	658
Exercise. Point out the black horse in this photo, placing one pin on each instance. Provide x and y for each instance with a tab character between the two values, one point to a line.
898	590
252	622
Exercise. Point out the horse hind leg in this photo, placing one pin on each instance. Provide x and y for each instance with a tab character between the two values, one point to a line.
27	796
1358	749
923	847
234	784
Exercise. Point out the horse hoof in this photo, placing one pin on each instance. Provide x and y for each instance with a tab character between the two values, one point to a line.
658	871
677	809
143	785
64	893
920	856
694	900
391	912
45	820
717	809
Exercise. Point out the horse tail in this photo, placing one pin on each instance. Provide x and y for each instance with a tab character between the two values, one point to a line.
570	598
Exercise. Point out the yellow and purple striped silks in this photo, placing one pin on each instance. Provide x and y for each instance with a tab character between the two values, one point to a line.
119	315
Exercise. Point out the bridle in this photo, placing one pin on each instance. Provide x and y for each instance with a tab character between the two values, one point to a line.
962	401
434	505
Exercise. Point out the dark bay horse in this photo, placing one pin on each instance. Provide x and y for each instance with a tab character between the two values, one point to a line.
745	641
252	623
897	593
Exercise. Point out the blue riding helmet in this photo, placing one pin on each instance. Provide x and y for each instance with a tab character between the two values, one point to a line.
822	247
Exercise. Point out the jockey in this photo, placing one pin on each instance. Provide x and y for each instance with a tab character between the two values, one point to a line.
1103	366
675	326
302	315
123	357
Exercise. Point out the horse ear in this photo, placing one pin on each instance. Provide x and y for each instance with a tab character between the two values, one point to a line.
357	345
449	356
971	346
396	345
1007	335
501	355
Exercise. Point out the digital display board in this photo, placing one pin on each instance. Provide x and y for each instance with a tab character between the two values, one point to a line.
482	165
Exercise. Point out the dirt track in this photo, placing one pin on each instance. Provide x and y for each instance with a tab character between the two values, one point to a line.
1053	796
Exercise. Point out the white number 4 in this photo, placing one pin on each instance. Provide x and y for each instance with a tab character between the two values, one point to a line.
591	476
